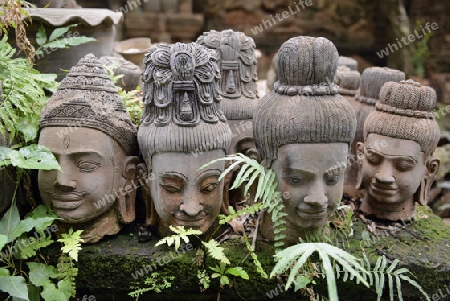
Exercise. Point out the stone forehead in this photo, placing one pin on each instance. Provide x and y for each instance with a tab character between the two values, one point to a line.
88	98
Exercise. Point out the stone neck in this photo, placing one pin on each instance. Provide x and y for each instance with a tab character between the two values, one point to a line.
403	211
293	232
93	231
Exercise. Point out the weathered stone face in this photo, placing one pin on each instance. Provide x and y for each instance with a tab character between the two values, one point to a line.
310	178
92	165
391	175
183	195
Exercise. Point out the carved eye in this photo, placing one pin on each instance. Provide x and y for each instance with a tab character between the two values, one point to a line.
332	179
295	181
171	188
404	165
209	187
373	159
88	166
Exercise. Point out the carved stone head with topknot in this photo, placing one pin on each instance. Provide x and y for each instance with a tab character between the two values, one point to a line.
397	160
86	126
372	79
183	128
303	130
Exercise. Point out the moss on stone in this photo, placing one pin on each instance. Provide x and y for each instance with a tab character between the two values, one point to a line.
106	269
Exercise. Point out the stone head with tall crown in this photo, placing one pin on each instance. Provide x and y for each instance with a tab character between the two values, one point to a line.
86	126
183	128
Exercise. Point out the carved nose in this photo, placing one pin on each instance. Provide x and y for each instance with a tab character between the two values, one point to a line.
231	87
385	174
316	196
317	200
191	207
64	179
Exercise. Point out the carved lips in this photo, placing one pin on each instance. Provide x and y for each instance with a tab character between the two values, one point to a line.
66	201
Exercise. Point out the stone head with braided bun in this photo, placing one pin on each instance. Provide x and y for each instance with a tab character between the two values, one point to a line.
302	131
183	128
402	171
86	126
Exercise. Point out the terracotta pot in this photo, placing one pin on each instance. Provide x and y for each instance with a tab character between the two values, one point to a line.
134	50
96	23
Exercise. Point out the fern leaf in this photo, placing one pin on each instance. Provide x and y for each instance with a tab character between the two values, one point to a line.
391	287
216	251
329	274
415	284
71	243
398	281
241	176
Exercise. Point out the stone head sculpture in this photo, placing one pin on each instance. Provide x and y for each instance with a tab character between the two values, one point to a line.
303	130
372	79
86	126
397	160
182	129
348	62
235	54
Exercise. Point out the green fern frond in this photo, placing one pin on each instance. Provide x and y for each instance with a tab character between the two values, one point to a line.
180	234
296	257
383	270
267	197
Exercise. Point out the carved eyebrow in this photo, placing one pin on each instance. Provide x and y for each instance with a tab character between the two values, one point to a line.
336	168
291	170
208	173
173	174
379	153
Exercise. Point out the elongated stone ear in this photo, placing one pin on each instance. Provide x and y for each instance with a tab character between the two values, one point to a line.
360	157
432	164
151	217
127	199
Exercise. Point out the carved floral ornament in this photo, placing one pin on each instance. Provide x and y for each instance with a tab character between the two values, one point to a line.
181	73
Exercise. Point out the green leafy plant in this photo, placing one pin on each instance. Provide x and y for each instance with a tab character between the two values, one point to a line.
13	15
267	197
180	234
422	50
214	250
33	156
57	39
222	271
18	247
156	283
382	270
131	99
295	257
204	279
23	94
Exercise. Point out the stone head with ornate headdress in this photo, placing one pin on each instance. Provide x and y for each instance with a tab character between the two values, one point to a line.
86	126
182	129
